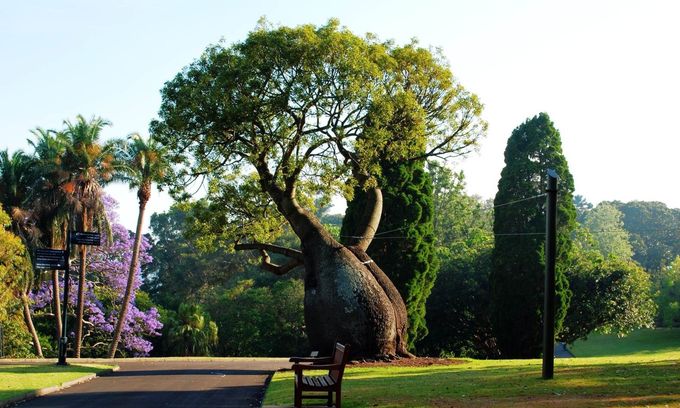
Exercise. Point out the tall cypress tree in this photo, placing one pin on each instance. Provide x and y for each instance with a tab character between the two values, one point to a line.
404	245
518	259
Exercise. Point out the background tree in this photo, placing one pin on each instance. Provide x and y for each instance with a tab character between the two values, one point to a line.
517	276
308	108
51	204
654	233
144	163
458	308
16	177
404	245
582	207
15	276
611	295
89	165
258	320
191	333
257	313
184	270
667	295
605	225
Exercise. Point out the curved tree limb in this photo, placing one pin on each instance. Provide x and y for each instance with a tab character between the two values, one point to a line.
370	219
278	269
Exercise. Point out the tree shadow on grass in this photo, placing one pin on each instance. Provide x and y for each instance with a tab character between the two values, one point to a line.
48	369
574	385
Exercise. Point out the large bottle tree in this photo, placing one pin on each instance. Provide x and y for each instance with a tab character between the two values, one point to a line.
292	113
518	259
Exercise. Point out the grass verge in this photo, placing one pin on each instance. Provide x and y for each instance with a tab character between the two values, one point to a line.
20	379
637	381
639	342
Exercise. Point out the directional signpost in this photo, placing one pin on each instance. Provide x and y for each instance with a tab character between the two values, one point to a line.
59	259
51	259
85	238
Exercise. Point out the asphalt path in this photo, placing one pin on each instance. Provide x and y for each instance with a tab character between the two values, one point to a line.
223	383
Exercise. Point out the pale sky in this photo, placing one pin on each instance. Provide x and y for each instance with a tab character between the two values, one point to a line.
607	72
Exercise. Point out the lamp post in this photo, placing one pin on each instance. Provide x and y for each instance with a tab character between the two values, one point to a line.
549	290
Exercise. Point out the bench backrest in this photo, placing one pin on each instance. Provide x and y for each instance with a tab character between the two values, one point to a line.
340	356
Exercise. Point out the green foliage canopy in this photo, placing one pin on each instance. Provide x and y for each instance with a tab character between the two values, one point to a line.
15	268
307	108
605	224
611	295
667	297
458	308
654	232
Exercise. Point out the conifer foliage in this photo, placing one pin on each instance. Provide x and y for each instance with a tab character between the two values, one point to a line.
405	237
517	275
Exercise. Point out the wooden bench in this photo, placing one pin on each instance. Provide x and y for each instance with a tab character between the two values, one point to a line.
326	384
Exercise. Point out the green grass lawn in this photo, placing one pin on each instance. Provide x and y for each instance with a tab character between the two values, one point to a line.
639	342
20	379
631	381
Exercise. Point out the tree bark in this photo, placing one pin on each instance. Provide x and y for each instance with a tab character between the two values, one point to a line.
31	328
55	286
57	302
130	282
348	298
80	309
370	219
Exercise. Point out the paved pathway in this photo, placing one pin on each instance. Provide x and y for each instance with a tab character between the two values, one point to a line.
232	383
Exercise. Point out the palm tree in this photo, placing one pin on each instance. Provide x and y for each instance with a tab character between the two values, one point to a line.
192	333
144	162
50	203
15	184
90	165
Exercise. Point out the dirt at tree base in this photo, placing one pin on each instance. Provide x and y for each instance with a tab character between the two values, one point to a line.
406	362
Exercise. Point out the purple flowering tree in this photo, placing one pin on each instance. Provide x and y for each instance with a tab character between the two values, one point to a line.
106	280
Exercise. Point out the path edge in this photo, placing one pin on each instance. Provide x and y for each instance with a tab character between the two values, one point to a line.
49	390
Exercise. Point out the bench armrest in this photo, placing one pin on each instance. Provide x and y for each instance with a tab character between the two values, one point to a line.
311	359
301	367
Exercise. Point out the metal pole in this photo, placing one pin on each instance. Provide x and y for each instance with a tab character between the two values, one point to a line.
64	339
549	295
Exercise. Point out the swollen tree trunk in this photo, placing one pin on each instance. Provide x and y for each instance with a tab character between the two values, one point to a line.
348	298
131	277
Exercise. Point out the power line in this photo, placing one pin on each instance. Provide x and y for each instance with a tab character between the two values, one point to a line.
518	234
520	200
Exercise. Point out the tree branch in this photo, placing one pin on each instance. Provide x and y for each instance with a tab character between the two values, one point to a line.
289	252
278	269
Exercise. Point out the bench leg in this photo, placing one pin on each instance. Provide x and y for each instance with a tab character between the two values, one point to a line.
298	398
329	402
337	399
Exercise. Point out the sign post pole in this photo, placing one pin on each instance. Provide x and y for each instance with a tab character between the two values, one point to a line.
73	237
